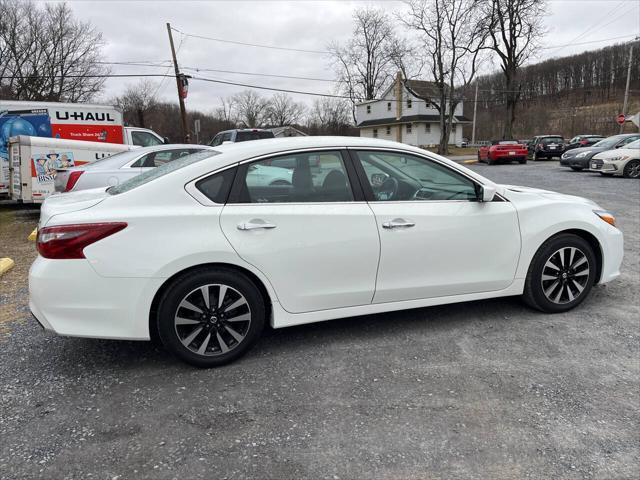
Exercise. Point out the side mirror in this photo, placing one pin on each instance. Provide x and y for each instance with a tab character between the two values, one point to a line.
487	192
166	140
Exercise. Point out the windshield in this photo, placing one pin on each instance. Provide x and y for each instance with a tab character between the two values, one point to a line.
607	142
161	171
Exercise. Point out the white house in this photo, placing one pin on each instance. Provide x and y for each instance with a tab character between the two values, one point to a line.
403	115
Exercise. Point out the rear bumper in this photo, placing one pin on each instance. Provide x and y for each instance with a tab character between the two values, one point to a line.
69	298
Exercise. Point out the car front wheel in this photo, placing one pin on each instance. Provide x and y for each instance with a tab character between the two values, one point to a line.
632	169
210	317
561	274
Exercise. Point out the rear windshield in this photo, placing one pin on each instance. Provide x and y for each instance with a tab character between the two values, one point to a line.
117	159
547	140
244	136
161	171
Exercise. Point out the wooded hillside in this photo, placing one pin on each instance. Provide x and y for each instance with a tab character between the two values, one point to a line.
570	95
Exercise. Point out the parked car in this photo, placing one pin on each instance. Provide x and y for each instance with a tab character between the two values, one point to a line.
546	146
240	135
583	141
198	255
110	171
503	151
624	161
580	158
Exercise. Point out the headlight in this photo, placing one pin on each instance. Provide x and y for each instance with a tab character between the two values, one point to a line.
606	216
616	159
583	154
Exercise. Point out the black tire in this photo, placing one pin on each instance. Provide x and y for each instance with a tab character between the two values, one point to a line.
535	157
576	169
632	169
534	290
237	286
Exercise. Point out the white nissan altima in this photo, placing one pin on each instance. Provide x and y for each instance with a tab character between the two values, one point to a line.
200	253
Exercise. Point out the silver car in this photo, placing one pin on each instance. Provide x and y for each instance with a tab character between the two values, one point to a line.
116	169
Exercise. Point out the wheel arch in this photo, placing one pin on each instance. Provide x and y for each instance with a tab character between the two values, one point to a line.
590	239
153	310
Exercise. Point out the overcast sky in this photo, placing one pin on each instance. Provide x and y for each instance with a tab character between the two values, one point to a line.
136	31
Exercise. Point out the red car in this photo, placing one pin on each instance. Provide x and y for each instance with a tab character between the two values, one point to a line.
503	151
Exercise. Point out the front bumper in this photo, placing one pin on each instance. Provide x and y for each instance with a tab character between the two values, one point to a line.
582	162
612	253
69	298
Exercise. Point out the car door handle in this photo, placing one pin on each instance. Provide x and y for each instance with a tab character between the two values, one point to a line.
398	223
255	224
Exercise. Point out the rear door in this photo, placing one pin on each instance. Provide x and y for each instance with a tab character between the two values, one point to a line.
436	238
314	237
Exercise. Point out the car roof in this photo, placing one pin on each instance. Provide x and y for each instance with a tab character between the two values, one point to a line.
122	158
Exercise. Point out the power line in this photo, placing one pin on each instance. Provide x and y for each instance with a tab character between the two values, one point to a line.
586	43
245	44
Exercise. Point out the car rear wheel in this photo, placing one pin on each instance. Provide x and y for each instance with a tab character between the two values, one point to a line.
576	169
210	317
561	274
632	169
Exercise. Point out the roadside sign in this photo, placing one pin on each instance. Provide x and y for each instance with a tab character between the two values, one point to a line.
621	118
636	119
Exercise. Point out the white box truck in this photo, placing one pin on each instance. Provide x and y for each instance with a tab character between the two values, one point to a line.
34	160
71	121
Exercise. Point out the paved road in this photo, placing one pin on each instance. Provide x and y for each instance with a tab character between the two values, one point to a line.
480	390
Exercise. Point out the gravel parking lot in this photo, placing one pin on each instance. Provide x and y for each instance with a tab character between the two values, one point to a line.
480	390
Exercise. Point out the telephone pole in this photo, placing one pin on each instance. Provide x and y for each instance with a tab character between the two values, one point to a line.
183	112
475	109
626	91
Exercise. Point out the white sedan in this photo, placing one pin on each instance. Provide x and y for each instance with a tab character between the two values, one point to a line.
113	170
623	162
200	253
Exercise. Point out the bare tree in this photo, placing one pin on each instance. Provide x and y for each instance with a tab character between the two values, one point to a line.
515	28
367	62
227	111
47	54
329	116
283	110
250	107
452	36
137	101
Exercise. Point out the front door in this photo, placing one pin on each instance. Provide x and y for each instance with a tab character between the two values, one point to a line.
299	222
436	238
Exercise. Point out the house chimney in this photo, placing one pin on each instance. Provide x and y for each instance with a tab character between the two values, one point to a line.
398	105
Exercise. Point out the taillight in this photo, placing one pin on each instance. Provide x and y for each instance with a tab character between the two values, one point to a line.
69	241
74	176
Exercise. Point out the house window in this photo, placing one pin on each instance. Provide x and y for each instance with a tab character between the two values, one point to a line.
409	103
408	128
388	130
375	133
368	108
389	106
427	127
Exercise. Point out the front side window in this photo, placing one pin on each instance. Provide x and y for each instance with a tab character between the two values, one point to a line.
296	178
144	139
401	177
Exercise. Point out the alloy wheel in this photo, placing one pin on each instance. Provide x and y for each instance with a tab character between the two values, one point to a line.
633	169
212	319
565	275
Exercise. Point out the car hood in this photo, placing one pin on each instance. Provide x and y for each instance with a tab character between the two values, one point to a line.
70	202
576	151
617	153
547	194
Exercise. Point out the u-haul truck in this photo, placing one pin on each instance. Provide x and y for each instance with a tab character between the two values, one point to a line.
34	161
71	121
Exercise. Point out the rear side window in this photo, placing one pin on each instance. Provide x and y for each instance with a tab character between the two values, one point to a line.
245	136
216	187
165	169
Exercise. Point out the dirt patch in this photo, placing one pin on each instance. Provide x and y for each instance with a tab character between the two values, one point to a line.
16	223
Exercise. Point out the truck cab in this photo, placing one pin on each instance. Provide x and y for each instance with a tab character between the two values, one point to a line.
142	137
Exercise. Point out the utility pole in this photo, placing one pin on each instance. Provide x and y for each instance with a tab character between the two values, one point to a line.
183	112
626	91
475	109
